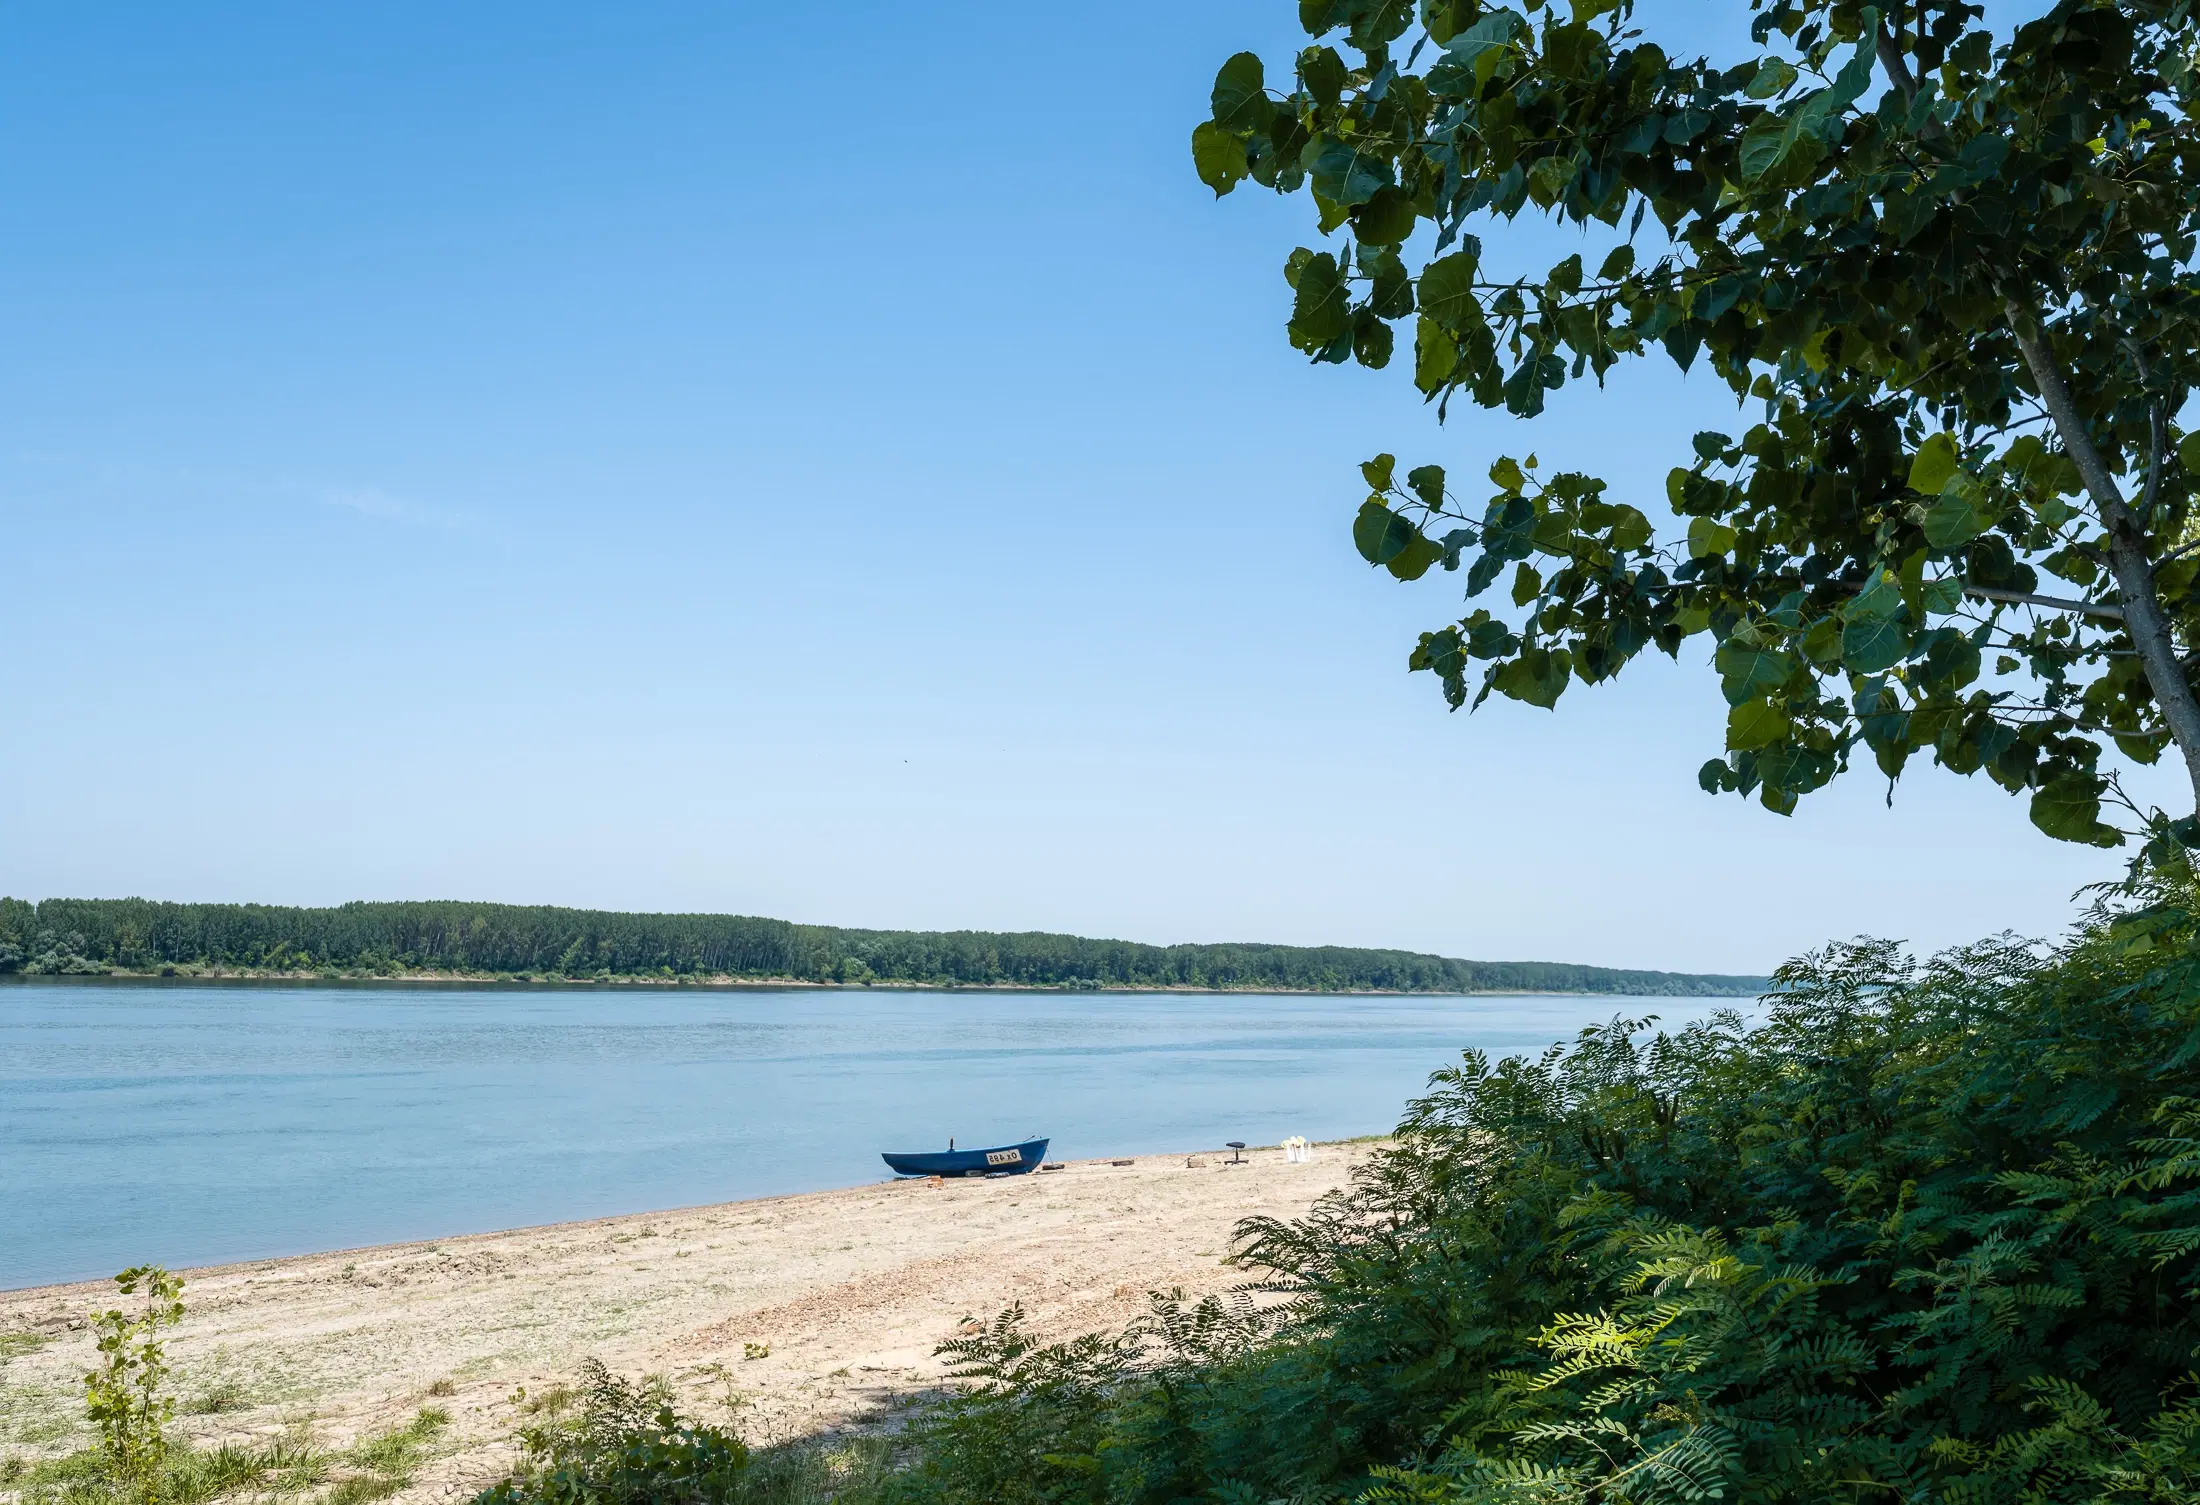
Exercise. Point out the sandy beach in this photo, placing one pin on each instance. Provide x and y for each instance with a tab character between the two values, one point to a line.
790	1315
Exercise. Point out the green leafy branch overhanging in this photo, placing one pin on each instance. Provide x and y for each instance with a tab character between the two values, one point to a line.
1953	274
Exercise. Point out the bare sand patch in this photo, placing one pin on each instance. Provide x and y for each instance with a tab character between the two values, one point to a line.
790	1315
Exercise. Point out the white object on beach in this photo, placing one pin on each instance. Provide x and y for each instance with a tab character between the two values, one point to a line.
1298	1149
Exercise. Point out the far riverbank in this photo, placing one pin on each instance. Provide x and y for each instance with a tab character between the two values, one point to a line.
730	982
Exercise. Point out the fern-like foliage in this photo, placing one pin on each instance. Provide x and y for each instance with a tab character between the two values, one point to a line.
1918	1231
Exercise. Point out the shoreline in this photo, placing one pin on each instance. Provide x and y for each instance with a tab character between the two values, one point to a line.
727	982
788	1316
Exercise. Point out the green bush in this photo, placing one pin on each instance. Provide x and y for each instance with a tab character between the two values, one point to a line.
125	1396
627	1446
1925	1232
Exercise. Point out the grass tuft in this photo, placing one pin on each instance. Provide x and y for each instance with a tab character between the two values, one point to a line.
13	1345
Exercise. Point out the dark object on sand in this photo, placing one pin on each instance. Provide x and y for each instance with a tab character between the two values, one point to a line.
1007	1160
1237	1151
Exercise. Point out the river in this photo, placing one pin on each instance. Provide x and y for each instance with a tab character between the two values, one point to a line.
188	1124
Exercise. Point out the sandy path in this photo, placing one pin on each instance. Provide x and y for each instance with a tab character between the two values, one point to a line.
848	1290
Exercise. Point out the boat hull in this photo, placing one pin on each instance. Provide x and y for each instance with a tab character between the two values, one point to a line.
1001	1160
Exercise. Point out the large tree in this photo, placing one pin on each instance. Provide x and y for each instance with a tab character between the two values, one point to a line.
1948	274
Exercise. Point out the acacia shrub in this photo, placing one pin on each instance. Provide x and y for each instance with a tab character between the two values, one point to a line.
1923	1231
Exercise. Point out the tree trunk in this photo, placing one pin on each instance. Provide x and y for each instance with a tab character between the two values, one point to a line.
2127	550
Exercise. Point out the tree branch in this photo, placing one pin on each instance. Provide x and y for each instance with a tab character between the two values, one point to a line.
1891	59
2058	603
2127	550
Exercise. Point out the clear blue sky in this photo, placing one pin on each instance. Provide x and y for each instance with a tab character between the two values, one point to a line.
831	462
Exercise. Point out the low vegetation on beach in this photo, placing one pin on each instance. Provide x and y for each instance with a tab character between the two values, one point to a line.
1928	1231
60	937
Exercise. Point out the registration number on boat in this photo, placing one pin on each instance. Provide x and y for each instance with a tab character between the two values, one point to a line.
1004	1157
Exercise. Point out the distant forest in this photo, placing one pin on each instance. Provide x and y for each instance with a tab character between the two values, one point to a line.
60	936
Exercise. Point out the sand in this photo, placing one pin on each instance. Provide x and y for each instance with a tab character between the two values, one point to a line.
789	1316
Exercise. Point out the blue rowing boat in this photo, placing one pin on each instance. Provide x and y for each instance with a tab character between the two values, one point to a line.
1005	1160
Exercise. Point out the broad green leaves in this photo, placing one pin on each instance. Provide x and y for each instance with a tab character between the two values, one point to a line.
1747	670
1219	157
1774	138
1447	291
1934	466
1472	57
1239	100
1385	538
1321	311
2068	808
1957	515
1850	246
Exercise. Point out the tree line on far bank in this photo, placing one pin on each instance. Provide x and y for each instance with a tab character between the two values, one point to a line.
141	935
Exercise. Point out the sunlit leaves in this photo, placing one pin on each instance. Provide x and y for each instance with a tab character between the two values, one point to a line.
2069	809
1934	464
1958	515
1218	156
1321	307
1239	100
1842	248
1447	290
1747	670
1348	174
1380	534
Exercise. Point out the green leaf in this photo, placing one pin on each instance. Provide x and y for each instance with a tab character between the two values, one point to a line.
1323	73
1447	290
1371	340
1765	145
1471	56
1375	22
1380	534
2188	453
1872	644
2068	808
1631	530
1822	642
1775	135
1856	75
1320	311
1427	482
1537	677
1378	471
1746	671
1549	179
1240	99
1959	515
1878	601
1934	464
1506	475
1218	156
1527	584
1435	355
1707	537
1755	723
1386	218
1413	561
1347	174
1773	75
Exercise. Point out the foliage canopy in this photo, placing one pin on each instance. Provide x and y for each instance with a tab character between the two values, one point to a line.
65	936
1953	272
1929	1232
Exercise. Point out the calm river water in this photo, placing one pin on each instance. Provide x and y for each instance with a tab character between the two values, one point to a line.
190	1124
